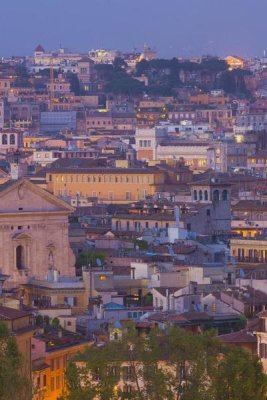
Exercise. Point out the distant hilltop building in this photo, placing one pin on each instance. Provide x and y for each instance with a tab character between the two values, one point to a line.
42	58
103	56
235	62
147	54
39	50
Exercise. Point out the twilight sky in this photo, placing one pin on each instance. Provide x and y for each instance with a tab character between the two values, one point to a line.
173	27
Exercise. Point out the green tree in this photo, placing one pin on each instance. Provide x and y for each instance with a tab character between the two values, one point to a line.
238	376
74	83
14	384
22	76
46	322
119	63
39	320
89	258
124	85
233	82
95	375
55	323
165	365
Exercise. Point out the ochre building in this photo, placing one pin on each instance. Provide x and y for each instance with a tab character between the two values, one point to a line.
118	185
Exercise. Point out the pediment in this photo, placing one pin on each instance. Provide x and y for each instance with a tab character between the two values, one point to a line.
24	196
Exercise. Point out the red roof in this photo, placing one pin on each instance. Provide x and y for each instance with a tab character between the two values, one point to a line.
40	49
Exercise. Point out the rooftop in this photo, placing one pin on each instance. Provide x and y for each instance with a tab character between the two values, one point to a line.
238	337
7	313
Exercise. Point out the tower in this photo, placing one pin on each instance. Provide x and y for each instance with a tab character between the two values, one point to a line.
215	192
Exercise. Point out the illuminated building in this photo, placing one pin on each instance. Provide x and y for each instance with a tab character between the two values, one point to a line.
235	62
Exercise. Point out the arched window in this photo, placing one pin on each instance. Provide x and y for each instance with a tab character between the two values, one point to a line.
200	195
20	257
12	138
225	195
216	195
4	139
195	195
206	196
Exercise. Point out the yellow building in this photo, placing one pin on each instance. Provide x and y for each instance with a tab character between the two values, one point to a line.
234	62
249	250
46	294
51	353
110	185
32	141
20	325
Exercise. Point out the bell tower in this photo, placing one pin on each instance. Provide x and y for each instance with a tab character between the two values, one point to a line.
215	192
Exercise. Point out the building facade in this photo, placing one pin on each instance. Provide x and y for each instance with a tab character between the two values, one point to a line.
33	232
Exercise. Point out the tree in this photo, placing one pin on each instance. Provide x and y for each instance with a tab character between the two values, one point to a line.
95	375
22	76
74	83
39	320
165	365
214	64
86	258
14	384
239	376
46	321
125	85
233	82
119	63
55	323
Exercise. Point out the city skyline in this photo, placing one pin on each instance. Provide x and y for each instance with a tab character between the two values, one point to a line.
175	28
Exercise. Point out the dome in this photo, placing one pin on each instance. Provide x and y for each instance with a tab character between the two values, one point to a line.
39	49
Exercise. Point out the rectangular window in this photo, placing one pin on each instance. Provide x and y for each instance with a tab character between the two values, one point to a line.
58	382
128	196
52	384
263	350
113	371
128	373
144	194
97	376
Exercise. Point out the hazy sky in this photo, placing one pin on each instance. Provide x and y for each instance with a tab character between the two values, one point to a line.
172	27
